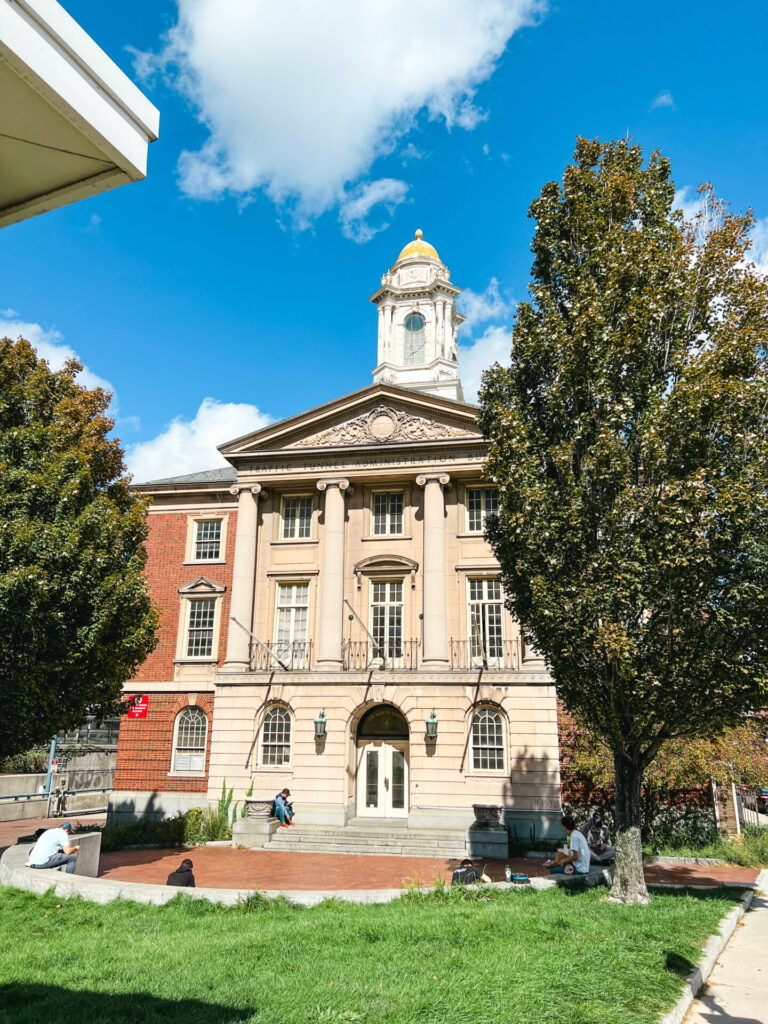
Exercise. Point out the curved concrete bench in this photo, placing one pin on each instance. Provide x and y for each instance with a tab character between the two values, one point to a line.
14	872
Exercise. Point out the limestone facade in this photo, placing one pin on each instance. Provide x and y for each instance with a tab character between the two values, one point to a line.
335	596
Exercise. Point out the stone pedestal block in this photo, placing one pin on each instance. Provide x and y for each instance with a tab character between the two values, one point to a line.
253	833
489	841
87	862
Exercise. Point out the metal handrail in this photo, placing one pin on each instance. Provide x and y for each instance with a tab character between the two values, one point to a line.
501	655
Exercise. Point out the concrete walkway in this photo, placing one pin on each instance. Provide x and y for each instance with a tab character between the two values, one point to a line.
737	989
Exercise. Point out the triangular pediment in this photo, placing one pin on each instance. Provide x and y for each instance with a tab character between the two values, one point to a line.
378	416
202	585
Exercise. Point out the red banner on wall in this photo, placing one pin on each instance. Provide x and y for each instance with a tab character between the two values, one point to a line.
139	705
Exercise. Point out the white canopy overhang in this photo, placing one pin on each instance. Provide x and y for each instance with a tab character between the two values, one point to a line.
72	124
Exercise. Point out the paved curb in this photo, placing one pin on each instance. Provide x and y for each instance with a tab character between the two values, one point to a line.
14	872
710	953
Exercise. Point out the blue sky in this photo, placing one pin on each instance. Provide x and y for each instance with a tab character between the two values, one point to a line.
240	273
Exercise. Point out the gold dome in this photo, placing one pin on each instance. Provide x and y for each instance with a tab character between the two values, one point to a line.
419	248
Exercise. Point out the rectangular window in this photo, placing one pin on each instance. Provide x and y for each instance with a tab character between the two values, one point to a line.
387	514
200	628
486	620
387	619
291	623
481	503
207	540
297	518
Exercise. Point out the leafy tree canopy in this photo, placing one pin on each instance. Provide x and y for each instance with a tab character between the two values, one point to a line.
629	442
75	614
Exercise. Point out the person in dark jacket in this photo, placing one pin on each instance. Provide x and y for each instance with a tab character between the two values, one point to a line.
182	875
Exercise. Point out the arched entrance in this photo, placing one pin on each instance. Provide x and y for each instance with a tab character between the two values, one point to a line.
382	763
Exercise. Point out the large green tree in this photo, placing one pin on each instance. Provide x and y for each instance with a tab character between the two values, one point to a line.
75	614
629	441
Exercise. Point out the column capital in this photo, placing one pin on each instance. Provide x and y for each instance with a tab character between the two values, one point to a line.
256	489
341	482
442	478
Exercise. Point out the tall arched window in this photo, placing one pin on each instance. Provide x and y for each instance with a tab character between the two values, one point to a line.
189	740
487	741
414	339
276	737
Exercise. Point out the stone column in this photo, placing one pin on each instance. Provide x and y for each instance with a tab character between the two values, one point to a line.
435	653
382	346
243	576
439	331
330	632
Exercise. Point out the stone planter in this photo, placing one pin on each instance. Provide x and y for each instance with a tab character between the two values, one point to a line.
487	814
259	810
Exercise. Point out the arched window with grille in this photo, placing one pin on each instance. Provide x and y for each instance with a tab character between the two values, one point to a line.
276	737
414	339
487	741
190	736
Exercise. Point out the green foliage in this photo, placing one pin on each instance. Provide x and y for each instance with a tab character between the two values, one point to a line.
145	832
629	441
518	957
244	808
35	760
75	614
750	849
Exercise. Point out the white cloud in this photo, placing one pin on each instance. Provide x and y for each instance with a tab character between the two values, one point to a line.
359	202
300	98
185	446
478	307
494	345
664	99
49	346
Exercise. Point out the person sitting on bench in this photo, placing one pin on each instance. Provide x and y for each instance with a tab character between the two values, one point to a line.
598	839
284	808
52	849
577	860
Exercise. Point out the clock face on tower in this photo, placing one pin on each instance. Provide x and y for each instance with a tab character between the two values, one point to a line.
414	323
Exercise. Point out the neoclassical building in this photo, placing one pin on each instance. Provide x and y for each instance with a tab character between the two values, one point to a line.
332	616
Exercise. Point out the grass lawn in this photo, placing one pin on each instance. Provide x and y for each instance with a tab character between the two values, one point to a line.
750	849
522	957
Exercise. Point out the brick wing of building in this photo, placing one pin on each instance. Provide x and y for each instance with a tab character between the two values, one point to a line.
332	616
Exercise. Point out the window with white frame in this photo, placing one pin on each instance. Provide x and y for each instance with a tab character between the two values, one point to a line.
413	352
201	618
481	503
297	518
487	741
276	737
485	617
387	514
189	740
291	621
387	618
207	541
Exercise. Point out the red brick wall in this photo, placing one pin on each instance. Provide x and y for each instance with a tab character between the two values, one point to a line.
145	746
166	573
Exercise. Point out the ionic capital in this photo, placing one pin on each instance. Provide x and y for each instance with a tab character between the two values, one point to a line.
256	490
341	482
441	478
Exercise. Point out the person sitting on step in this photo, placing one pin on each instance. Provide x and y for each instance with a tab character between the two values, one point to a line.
284	808
599	840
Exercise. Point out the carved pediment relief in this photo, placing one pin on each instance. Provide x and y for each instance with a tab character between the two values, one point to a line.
384	425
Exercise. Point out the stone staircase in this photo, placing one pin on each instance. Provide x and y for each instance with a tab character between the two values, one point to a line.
373	838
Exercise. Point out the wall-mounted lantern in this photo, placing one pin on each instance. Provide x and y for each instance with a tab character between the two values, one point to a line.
320	726
431	724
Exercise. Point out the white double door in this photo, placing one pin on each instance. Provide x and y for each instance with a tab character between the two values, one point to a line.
382	779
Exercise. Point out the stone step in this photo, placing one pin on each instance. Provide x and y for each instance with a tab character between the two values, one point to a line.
315	839
346	837
400	835
394	851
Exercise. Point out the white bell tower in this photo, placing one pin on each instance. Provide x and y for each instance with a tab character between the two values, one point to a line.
418	324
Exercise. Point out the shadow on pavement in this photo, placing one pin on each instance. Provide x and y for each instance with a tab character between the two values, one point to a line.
30	1004
709	1010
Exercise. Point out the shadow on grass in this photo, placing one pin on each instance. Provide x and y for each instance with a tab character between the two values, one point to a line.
30	1004
677	964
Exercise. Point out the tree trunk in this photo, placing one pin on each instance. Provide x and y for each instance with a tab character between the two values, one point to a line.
628	881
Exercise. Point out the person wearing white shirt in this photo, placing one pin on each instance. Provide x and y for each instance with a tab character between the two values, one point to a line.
576	861
52	849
